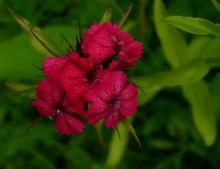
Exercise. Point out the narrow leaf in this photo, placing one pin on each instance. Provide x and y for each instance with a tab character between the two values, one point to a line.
117	146
173	43
18	87
33	123
192	25
41	41
131	129
181	76
125	16
99	127
216	4
37	34
107	16
204	118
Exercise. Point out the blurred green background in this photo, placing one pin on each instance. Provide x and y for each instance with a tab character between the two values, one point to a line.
164	124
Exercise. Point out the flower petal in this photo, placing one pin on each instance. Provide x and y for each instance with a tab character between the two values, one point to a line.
67	124
113	119
81	62
52	66
96	109
130	54
129	92
50	90
115	82
99	42
128	107
73	80
87	36
43	108
101	47
73	106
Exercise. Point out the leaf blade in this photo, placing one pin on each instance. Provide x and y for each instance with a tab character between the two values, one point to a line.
173	43
216	4
198	26
181	76
37	34
204	118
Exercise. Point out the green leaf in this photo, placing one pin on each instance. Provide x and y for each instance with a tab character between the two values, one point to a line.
38	35
143	97
211	53
117	146
125	16
18	59
163	144
216	4
181	76
23	62
19	87
131	129
57	32
205	120
192	25
196	48
99	127
107	16
173	43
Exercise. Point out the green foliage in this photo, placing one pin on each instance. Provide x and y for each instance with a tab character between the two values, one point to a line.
172	41
200	99
197	26
181	76
171	124
22	62
216	4
18	59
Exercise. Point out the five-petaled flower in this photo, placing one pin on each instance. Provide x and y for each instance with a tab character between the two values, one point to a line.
113	99
106	41
53	102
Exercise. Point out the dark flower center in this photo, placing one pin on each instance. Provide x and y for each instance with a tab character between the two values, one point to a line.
59	110
114	103
90	76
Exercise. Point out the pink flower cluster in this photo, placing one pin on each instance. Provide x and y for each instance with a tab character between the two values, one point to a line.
89	84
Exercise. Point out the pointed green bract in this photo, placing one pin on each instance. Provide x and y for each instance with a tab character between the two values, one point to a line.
117	146
107	16
125	16
192	25
99	127
38	35
131	129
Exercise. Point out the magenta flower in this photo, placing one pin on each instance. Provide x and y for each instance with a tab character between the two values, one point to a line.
53	66
113	99
90	84
78	75
53	102
105	41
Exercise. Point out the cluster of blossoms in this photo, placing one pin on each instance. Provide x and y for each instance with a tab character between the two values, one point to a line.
89	84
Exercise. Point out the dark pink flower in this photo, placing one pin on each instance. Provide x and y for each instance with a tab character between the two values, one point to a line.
53	66
113	99
52	101
78	75
105	41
